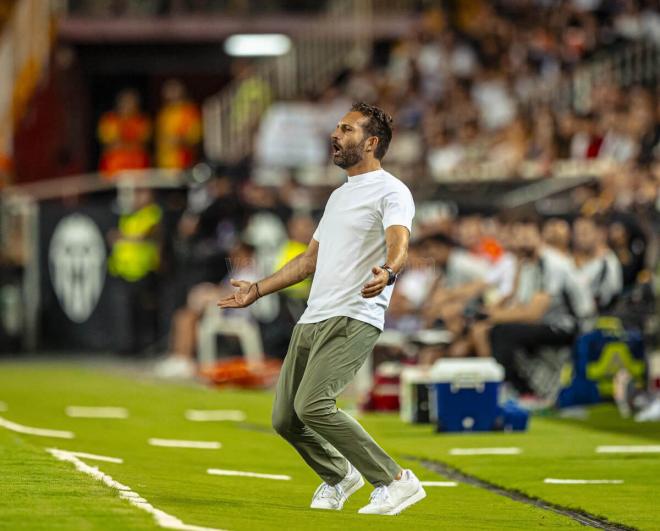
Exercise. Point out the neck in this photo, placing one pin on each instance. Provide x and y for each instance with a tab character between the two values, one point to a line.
364	166
584	255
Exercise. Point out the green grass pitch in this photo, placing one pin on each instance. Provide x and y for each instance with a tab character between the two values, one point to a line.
39	492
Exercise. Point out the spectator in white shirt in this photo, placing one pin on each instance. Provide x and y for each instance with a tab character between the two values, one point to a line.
597	265
547	308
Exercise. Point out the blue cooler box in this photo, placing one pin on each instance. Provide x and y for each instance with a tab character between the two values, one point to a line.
464	394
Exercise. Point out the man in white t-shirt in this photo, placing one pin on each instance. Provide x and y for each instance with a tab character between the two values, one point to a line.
355	255
596	264
548	307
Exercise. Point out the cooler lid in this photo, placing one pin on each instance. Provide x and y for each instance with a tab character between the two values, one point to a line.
473	369
416	374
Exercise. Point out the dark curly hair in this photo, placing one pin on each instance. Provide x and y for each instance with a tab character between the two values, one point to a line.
379	125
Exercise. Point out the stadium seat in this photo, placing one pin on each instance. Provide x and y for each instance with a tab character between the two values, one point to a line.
215	323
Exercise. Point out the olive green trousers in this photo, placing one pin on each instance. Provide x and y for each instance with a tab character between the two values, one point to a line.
321	361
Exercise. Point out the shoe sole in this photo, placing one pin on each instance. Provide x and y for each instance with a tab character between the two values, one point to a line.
357	486
418	496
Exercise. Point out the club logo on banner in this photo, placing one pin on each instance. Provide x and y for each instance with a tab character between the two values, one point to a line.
77	265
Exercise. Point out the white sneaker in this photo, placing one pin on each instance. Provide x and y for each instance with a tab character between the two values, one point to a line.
333	497
651	413
175	367
395	497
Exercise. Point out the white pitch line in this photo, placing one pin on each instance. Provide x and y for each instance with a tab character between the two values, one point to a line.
554	481
3	406
439	484
219	472
173	443
639	449
97	412
94	457
162	518
485	451
41	432
215	415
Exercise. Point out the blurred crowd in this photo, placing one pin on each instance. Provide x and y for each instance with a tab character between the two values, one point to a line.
504	283
494	284
465	90
480	90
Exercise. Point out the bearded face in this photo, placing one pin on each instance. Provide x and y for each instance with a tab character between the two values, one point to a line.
348	153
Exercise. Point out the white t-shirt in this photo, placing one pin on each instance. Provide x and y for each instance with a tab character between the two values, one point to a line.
416	285
464	267
351	236
572	306
604	277
502	275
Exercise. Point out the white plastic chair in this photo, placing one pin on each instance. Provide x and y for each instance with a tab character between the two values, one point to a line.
216	322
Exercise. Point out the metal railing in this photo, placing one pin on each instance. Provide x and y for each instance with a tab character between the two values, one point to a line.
632	63
231	116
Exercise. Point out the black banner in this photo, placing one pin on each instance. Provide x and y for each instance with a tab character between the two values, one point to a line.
77	307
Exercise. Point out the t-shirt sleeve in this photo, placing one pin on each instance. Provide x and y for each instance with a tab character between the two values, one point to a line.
317	232
398	209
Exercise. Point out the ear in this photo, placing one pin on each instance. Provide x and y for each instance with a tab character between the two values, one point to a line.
372	143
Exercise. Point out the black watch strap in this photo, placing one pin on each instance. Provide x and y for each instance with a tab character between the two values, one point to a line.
392	274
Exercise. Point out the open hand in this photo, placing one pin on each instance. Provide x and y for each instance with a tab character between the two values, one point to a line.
375	286
245	295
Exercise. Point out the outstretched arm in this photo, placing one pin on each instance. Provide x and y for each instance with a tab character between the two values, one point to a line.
291	273
396	239
532	312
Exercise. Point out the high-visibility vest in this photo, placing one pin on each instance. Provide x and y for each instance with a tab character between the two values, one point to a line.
133	256
290	250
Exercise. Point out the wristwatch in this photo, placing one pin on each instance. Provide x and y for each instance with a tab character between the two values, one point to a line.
392	274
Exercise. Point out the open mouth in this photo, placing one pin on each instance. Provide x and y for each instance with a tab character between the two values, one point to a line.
336	150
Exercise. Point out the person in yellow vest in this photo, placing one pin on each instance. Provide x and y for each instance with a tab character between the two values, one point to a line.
134	261
135	244
293	299
300	228
252	97
178	128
